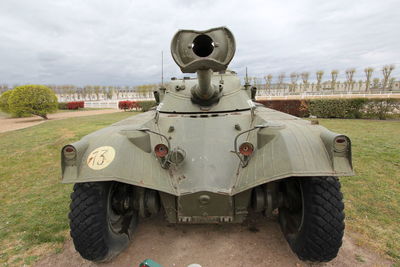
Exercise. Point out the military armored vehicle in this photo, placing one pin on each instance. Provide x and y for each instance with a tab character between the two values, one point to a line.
207	154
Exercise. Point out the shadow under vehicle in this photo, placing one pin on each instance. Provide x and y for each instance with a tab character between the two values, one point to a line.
207	154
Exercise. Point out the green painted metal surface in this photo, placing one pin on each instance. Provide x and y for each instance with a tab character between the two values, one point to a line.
204	129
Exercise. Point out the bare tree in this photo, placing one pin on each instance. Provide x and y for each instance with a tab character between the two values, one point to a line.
391	83
294	76
319	75
375	83
304	76
281	77
83	93
360	83
268	80
349	77
334	74
338	84
70	90
368	73
96	90
110	92
104	92
386	71
117	90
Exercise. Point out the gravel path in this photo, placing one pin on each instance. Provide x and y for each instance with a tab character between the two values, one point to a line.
11	124
255	243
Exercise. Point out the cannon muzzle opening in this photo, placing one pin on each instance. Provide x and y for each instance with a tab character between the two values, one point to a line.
203	45
200	50
203	52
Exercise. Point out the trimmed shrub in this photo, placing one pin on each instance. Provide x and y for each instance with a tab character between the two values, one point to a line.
381	108
135	105
125	105
337	108
142	105
4	101
295	107
350	108
62	105
32	99
146	105
75	105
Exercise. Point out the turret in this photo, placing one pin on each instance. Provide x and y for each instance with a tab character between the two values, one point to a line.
203	52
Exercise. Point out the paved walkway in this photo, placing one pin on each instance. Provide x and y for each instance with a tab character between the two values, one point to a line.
11	124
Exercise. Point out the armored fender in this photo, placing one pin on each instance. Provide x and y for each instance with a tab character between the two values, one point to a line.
286	147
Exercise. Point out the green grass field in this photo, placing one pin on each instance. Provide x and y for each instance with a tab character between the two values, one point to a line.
34	204
81	109
372	197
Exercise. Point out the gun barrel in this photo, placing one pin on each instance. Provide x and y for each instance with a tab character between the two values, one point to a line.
204	90
203	52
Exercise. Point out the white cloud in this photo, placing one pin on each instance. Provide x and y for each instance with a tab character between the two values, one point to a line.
119	43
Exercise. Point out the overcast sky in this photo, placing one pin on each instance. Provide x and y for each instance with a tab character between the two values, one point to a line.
120	42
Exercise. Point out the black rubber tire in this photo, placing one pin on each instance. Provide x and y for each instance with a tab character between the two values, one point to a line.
319	235
89	224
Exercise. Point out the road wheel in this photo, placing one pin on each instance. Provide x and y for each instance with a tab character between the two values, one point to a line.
312	217
102	219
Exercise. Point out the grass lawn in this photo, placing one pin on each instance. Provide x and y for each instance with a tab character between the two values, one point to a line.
372	197
81	109
34	205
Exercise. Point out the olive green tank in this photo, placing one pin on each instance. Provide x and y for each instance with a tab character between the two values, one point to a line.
207	154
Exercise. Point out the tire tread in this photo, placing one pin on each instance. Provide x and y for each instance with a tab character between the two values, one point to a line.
87	213
320	237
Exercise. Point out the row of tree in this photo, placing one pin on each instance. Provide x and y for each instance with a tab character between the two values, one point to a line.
385	83
94	92
97	92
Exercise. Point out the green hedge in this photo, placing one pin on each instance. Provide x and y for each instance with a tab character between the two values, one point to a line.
62	105
382	108
337	108
4	101
355	108
146	105
350	108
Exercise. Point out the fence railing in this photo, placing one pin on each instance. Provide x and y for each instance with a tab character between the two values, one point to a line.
111	103
264	94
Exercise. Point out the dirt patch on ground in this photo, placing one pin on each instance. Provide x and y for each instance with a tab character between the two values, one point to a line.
259	243
11	124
